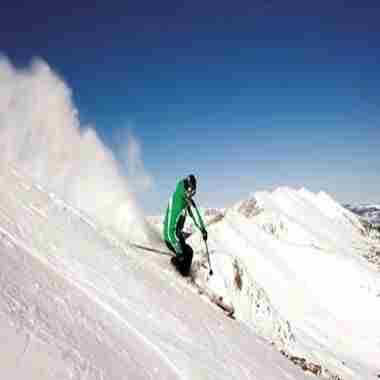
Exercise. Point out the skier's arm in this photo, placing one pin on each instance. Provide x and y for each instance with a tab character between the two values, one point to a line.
200	225
192	216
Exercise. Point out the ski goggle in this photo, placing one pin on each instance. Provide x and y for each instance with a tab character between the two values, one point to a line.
189	192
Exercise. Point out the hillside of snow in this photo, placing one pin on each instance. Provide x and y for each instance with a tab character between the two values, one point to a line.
295	267
78	303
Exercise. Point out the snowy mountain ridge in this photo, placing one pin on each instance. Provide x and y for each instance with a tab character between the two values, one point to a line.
370	213
370	218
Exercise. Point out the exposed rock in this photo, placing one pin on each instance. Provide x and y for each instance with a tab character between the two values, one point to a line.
249	208
373	256
213	215
238	278
310	367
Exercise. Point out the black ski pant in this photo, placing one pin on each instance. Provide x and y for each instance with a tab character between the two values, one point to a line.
183	261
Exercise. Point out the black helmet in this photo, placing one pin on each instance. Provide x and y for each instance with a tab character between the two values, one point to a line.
190	185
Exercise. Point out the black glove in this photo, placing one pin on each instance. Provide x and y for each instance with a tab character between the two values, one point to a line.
204	234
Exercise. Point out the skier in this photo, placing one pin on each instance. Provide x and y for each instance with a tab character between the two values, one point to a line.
181	204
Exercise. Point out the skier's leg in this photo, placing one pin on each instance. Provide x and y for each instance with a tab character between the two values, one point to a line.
170	247
185	264
189	258
182	259
174	259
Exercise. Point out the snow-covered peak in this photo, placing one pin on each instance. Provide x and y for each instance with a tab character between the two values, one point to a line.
300	216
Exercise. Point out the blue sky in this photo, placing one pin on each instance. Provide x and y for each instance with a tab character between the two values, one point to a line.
247	95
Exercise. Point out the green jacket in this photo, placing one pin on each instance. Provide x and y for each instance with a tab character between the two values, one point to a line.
179	206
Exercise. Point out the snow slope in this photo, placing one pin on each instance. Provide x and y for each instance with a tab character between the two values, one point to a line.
77	303
292	264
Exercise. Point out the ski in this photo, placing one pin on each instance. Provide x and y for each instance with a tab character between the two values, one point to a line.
217	300
151	249
209	295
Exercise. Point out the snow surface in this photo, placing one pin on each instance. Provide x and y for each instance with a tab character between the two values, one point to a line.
77	303
306	285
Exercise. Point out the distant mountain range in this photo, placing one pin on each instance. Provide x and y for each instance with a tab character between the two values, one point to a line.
370	213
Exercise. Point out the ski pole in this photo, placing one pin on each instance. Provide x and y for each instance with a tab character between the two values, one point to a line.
208	257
